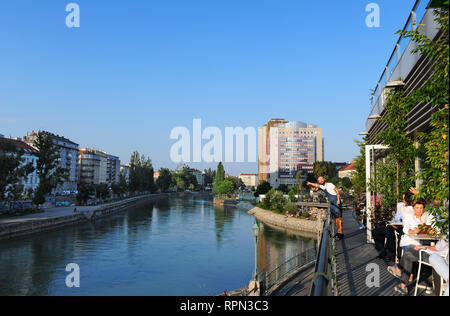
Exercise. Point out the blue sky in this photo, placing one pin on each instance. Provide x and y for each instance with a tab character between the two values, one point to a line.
136	69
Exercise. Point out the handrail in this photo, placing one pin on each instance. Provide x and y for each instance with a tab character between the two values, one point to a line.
269	280
412	18
323	282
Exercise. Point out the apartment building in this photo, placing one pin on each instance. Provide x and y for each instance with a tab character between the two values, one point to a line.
93	166
249	179
29	156
68	151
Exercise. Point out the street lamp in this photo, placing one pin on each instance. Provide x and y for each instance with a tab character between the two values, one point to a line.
255	235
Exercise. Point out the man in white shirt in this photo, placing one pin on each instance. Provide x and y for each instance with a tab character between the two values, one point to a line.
334	198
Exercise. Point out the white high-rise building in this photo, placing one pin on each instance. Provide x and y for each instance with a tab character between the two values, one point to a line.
287	148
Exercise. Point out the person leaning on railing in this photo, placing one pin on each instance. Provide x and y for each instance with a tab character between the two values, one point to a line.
334	197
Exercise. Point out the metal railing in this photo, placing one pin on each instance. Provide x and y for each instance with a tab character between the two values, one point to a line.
269	280
378	97
324	282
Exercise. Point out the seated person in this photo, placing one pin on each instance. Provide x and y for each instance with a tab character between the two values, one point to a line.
411	224
412	221
440	265
411	255
384	237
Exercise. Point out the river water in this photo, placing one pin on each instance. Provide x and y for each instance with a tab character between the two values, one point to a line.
181	246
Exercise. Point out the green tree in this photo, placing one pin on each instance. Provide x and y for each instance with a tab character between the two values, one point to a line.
237	182
102	191
141	173
226	188
293	192
84	192
12	169
263	188
283	188
346	183
309	178
220	176
401	147
275	201
123	184
50	173
382	184
164	181
184	179
359	176
325	169
210	176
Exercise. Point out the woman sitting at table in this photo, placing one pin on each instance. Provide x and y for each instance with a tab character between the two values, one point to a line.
412	221
412	246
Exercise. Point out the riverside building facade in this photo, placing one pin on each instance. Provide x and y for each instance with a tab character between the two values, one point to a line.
68	151
286	149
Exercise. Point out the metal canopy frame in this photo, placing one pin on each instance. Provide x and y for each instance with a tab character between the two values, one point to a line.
371	173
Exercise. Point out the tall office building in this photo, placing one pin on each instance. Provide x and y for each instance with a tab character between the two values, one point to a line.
287	148
68	151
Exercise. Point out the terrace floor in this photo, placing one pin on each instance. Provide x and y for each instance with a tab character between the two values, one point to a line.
353	255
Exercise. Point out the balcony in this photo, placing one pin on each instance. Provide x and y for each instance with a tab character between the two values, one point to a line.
402	61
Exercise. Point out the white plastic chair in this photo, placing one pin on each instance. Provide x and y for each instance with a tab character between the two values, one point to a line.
422	262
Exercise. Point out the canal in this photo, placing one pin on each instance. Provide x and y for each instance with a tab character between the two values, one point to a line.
180	246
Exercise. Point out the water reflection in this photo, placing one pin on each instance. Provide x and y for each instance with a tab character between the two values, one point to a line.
276	246
168	247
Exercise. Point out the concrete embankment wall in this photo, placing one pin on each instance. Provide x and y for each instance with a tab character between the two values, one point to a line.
281	221
32	226
9	231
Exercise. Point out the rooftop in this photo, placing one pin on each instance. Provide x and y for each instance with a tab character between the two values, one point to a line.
19	144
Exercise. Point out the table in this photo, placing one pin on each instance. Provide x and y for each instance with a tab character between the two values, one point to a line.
424	239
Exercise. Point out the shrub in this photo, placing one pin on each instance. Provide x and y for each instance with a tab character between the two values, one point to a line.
292	194
292	209
275	201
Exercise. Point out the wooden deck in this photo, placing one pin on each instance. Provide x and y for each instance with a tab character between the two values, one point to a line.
353	255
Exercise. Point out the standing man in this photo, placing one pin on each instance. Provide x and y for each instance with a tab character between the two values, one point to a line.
334	198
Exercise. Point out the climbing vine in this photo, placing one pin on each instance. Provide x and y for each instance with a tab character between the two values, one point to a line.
402	151
435	142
